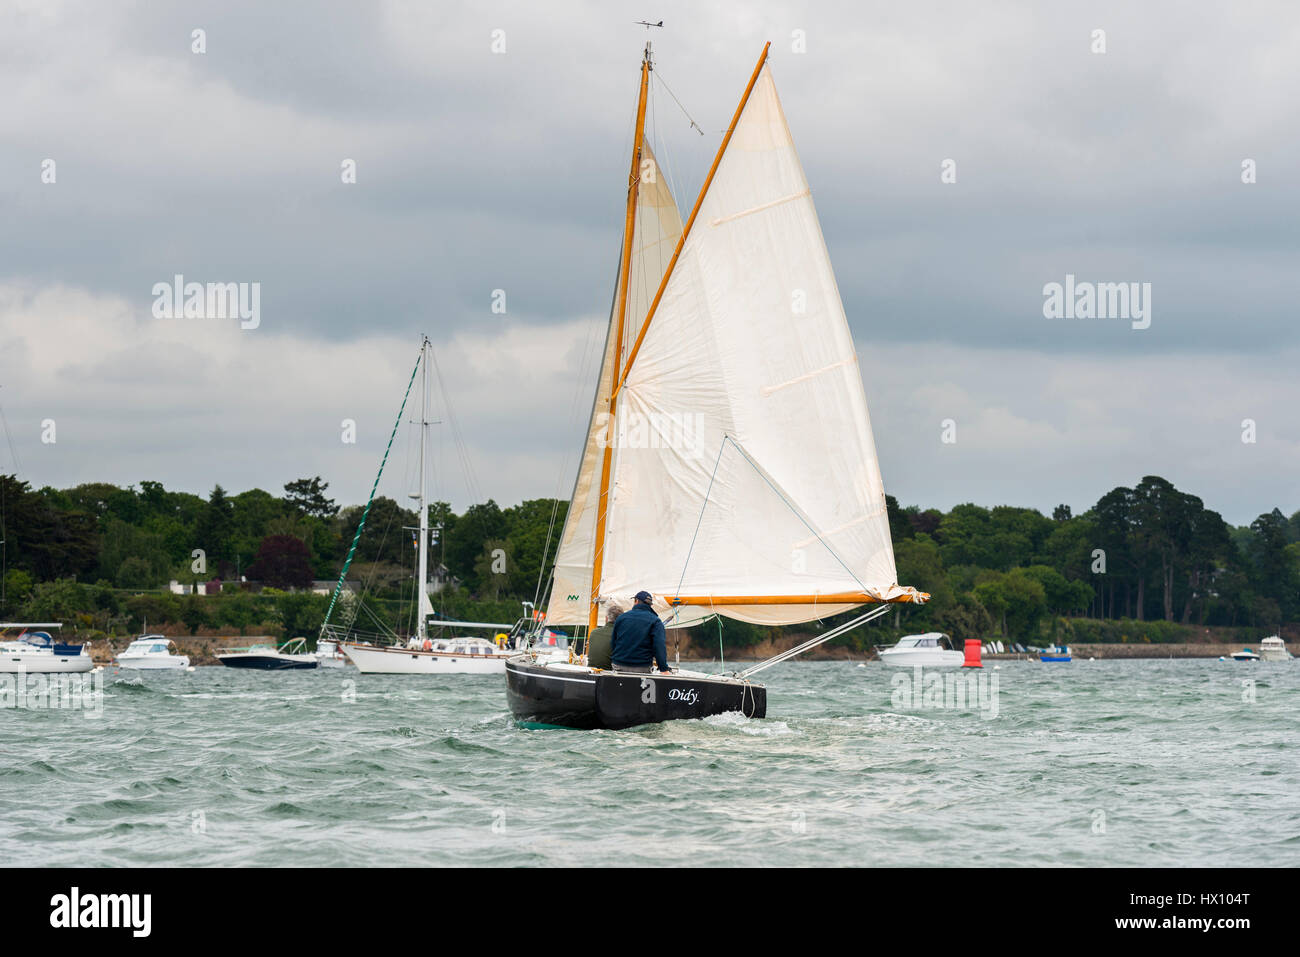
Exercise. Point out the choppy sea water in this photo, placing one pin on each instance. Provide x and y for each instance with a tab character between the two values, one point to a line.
1148	763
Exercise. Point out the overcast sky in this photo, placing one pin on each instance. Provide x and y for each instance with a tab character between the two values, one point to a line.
479	171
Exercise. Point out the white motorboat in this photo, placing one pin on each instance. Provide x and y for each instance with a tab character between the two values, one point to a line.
290	656
1245	655
441	656
36	652
930	650
330	655
1274	649
152	653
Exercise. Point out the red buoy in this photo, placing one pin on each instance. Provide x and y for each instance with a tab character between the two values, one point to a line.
972	654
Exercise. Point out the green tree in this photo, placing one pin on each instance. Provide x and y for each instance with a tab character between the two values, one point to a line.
194	613
283	561
216	527
479	525
307	497
152	610
1273	564
300	614
493	567
965	618
533	530
134	573
899	526
59	600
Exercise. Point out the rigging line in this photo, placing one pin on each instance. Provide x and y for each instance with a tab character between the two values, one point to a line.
790	505
458	439
660	78
9	439
573	514
369	580
779	493
814	642
546	550
722	654
362	524
717	462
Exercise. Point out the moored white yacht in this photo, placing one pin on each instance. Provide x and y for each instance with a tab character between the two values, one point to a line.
35	652
931	650
152	653
421	654
429	656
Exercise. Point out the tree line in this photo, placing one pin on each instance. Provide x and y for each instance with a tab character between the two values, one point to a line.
1146	553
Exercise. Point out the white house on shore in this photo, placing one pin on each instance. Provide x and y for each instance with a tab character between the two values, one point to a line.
216	586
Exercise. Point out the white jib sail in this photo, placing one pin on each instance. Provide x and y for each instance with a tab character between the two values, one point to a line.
744	463
656	231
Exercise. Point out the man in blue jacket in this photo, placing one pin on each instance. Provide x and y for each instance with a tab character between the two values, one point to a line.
639	639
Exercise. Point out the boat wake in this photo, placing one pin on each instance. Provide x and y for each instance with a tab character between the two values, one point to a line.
735	721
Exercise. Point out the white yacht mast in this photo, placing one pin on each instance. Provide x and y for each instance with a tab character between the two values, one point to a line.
421	599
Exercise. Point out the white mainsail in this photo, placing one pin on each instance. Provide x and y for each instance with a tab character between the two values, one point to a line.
656	232
744	461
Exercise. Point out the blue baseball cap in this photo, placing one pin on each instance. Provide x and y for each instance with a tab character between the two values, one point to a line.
643	596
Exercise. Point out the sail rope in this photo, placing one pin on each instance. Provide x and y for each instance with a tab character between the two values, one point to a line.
660	78
707	492
779	493
347	562
814	642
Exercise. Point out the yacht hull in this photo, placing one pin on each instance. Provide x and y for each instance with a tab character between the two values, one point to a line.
925	657
403	661
575	697
45	664
155	663
269	662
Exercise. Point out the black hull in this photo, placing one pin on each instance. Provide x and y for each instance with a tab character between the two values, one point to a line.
269	664
612	700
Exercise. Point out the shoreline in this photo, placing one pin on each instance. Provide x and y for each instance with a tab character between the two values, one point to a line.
201	650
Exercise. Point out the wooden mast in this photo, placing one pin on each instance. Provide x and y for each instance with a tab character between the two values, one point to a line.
625	268
699	201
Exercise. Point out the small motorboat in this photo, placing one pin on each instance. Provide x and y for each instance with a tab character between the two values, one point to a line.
152	653
290	656
1274	649
1055	653
1245	655
329	655
36	652
931	650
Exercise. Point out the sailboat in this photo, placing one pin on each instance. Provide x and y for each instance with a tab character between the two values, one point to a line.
729	467
422	654
35	652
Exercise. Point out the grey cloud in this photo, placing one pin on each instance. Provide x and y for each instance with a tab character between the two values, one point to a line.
480	172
